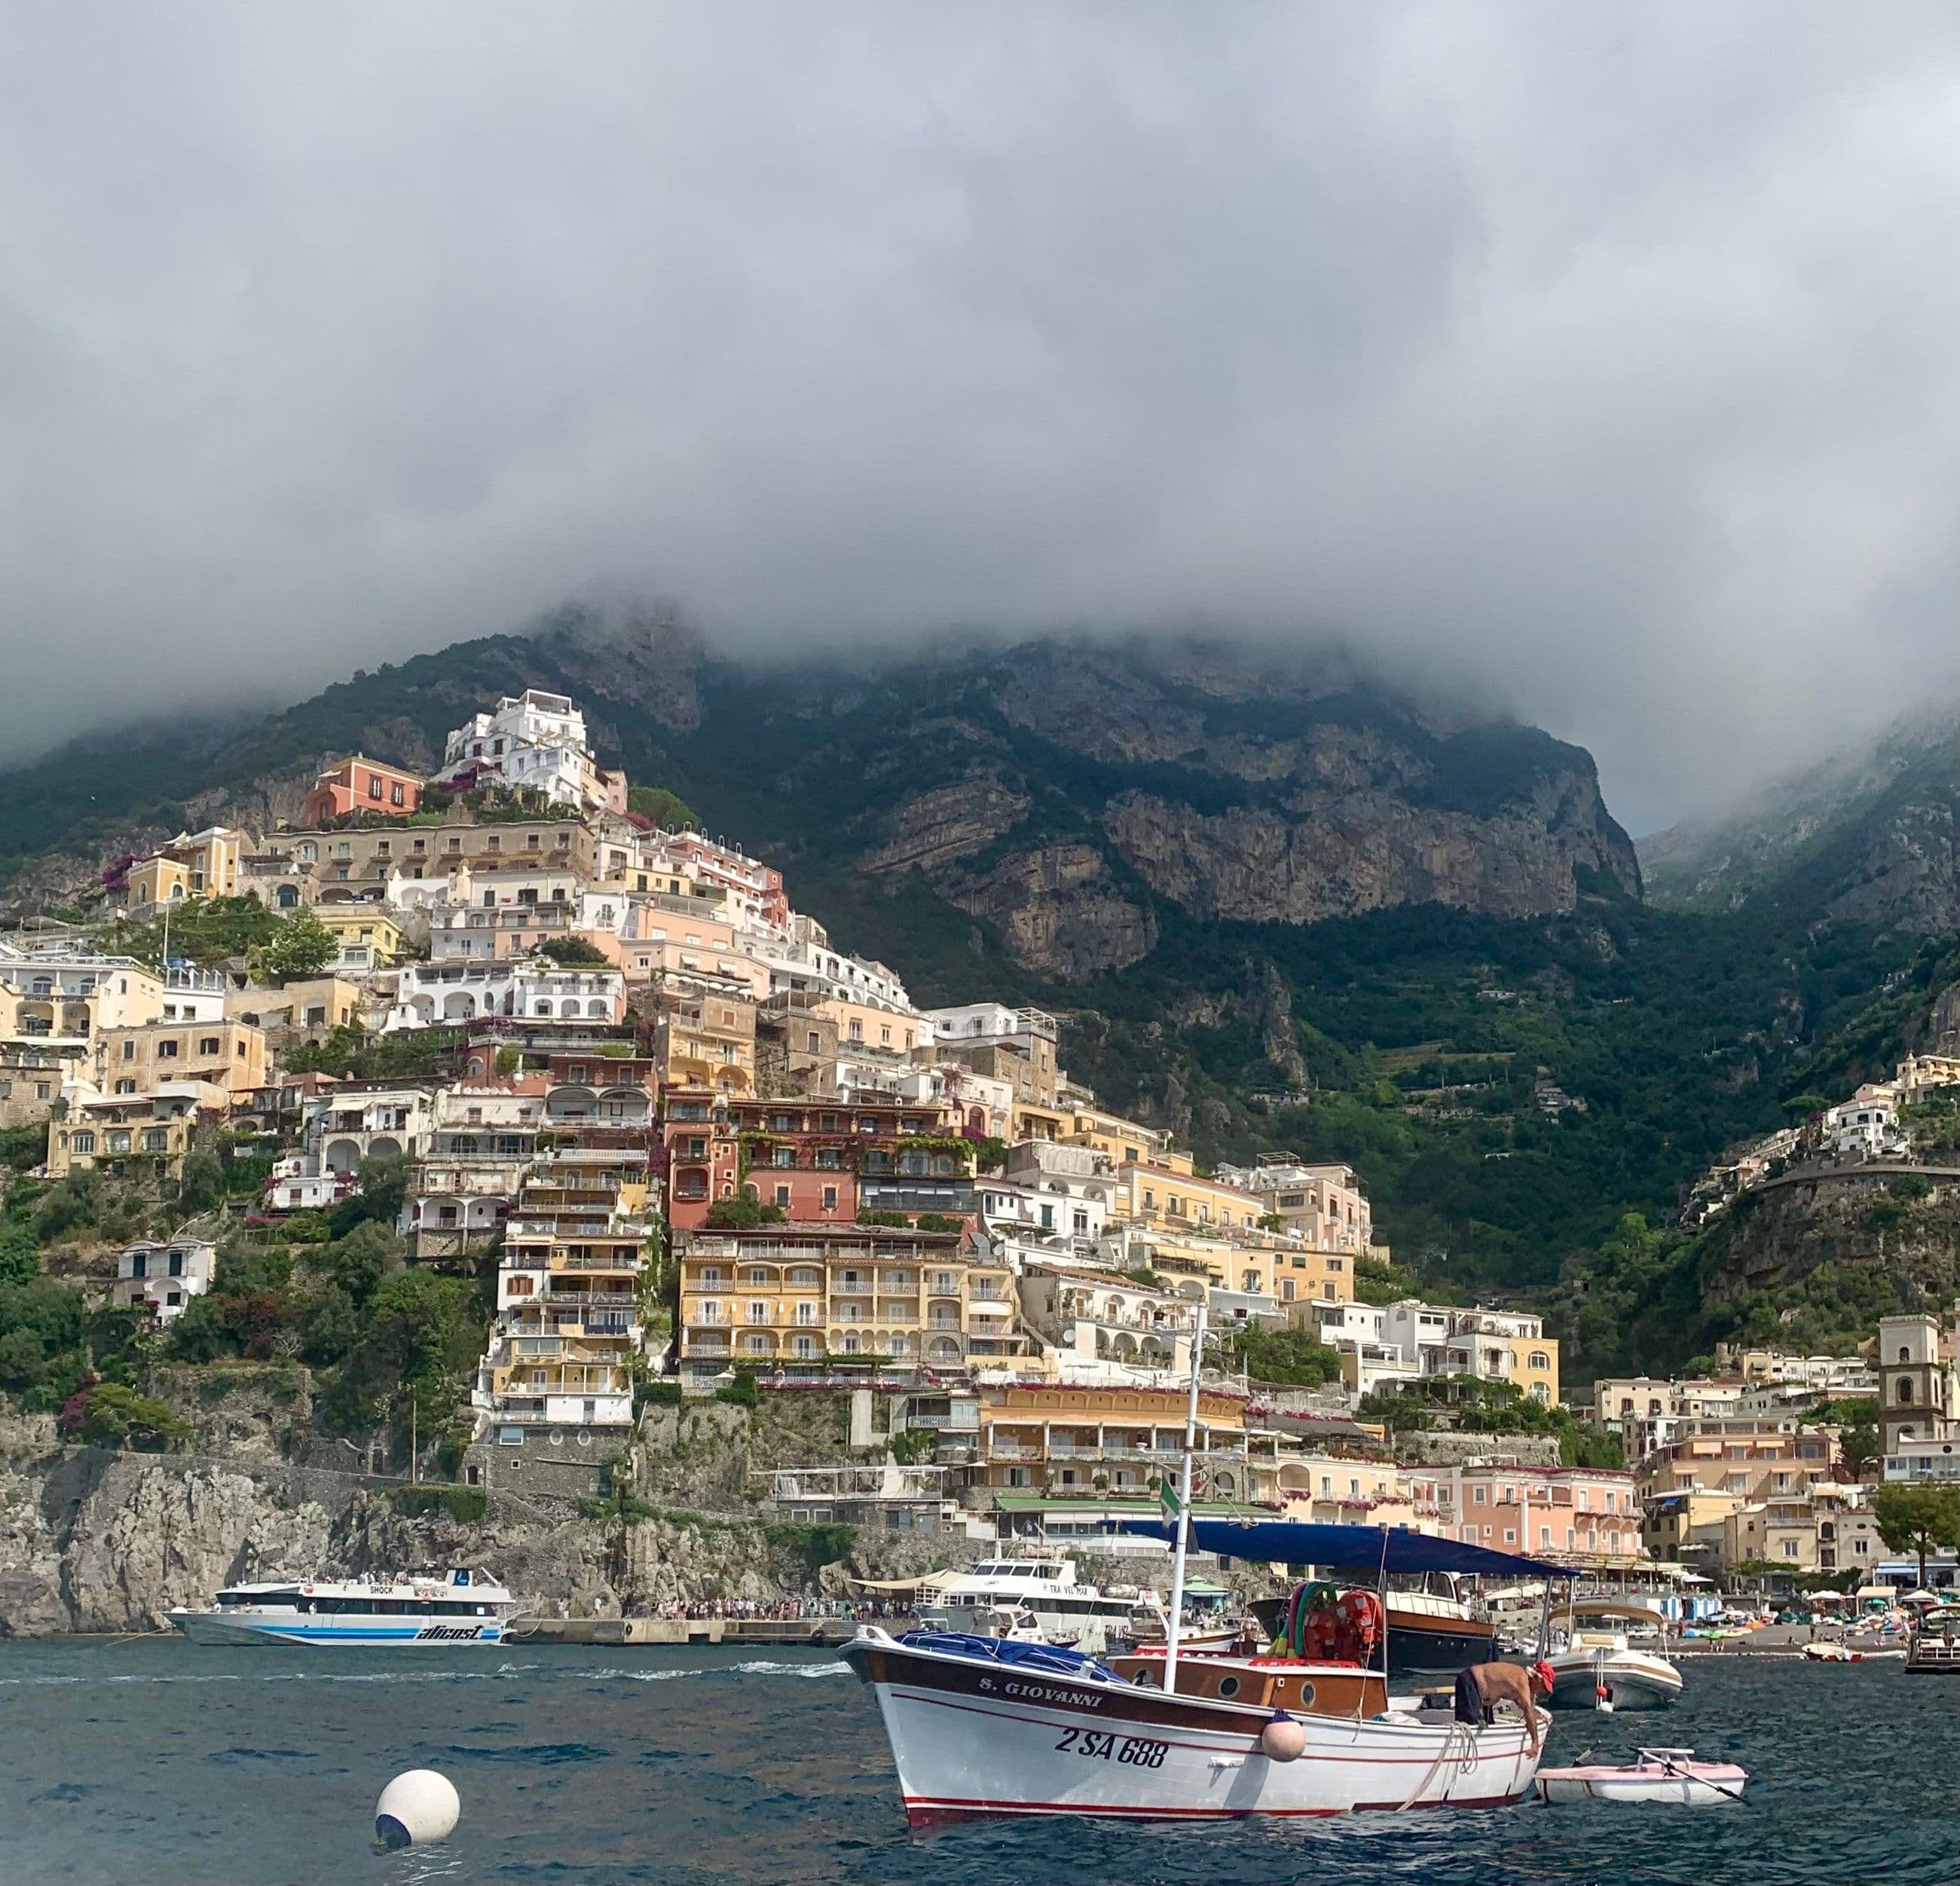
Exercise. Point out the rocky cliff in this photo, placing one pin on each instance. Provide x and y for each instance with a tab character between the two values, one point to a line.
96	1541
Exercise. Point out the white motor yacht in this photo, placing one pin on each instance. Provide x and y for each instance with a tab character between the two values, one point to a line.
1044	1586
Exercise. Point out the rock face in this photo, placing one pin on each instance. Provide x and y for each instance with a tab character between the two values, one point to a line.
1870	836
1854	1228
95	1541
1065	792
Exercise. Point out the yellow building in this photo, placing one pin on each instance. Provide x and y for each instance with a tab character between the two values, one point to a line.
368	935
803	1297
705	1037
1150	1193
193	864
228	1055
1258	1264
1121	1141
1332	1490
1053	1437
313	1002
110	1131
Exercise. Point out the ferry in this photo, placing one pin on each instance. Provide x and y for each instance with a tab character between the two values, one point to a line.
457	1606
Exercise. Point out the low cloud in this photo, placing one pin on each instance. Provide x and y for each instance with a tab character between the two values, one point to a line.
1601	356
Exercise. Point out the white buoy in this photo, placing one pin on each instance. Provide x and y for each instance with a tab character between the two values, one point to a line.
416	1808
1283	1739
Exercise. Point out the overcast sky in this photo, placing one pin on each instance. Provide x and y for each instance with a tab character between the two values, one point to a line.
1602	353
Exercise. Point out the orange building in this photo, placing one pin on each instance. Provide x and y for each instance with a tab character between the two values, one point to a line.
361	785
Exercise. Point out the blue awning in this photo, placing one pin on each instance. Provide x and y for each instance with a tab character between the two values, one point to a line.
1390	1548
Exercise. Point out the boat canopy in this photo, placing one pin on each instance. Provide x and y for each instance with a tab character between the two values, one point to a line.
1389	1548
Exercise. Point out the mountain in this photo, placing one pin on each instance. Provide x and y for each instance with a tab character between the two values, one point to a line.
1056	791
1277	904
1871	835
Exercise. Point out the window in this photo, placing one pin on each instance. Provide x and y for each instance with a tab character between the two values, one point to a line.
128	1050
210	1044
167	1050
1477	1495
830	1198
783	1196
84	1141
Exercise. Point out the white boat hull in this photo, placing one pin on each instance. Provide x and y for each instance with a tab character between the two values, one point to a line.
1633	1681
972	1741
294	1627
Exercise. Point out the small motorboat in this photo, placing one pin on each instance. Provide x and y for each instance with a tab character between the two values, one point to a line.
1619	1669
1845	1653
1661	1774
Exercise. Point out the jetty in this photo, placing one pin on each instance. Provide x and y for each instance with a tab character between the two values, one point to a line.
815	1632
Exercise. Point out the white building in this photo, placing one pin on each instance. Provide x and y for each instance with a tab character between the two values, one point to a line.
1866	1126
300	1182
533	741
442	994
1106	1327
361	1120
1927	1459
163	1277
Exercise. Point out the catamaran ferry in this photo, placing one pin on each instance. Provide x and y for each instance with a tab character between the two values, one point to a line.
449	1607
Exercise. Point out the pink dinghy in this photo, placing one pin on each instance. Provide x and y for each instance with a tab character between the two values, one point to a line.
1661	1774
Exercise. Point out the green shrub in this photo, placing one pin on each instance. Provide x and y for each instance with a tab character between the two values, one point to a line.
465	1505
662	1394
742	1392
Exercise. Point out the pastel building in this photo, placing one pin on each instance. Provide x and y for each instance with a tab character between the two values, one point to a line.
360	784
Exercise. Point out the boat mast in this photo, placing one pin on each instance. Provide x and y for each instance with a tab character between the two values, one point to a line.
1183	1511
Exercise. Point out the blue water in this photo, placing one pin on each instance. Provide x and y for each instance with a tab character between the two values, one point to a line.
158	1760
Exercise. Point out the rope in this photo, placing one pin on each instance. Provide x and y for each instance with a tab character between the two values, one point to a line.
1465	1758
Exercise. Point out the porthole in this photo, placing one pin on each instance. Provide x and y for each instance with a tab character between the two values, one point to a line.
584	1437
1305	1699
558	1437
1228	1686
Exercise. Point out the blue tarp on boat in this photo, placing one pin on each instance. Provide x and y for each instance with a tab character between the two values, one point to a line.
1390	1548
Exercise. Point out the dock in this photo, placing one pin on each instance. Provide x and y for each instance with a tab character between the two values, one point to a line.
815	1633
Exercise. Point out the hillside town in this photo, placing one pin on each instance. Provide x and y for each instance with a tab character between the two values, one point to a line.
705	1150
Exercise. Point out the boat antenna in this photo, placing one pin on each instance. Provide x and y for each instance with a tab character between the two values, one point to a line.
1183	1513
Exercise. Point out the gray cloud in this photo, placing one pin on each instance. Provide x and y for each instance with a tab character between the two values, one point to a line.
1603	354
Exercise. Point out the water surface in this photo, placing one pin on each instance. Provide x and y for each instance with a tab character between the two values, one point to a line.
159	1760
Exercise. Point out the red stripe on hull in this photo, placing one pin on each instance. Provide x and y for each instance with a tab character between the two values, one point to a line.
923	1813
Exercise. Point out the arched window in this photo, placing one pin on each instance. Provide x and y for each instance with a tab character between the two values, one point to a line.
1904	1392
1905	1354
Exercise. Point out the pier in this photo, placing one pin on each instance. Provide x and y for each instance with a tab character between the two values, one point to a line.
812	1631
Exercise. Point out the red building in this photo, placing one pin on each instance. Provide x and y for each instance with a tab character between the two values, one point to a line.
361	785
825	1161
702	1155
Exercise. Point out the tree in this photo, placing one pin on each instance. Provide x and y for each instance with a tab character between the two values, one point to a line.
20	1256
667	809
303	947
1919	1519
737	1214
201	1188
573	952
1287	1356
112	1415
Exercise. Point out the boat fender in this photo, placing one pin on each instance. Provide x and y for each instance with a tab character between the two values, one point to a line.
1283	1739
416	1808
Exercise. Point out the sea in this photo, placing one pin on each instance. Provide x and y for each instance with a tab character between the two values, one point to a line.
153	1761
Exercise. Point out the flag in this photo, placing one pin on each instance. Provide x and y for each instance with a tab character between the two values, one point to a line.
1167	1498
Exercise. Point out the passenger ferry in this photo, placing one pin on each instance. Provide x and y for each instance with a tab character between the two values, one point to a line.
457	1606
